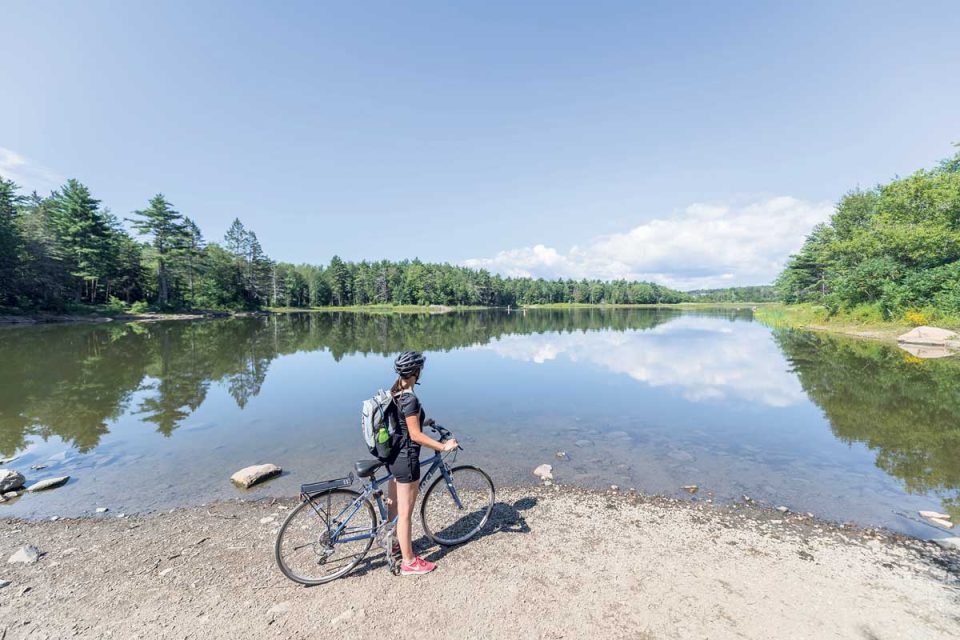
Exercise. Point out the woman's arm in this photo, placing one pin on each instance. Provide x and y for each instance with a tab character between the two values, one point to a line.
418	436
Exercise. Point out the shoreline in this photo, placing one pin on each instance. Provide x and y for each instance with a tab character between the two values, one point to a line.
778	315
30	319
94	317
635	565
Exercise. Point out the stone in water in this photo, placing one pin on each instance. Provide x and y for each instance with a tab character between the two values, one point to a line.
934	514
250	476
690	488
544	472
49	483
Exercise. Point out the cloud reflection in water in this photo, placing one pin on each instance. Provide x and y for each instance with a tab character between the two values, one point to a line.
704	358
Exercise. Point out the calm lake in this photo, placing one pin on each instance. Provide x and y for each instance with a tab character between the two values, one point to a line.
155	415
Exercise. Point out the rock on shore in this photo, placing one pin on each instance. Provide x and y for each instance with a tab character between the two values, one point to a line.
930	342
10	480
27	554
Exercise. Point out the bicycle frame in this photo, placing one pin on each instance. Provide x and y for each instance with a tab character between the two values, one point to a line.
373	489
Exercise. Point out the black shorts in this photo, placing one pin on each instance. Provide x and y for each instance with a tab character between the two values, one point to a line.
405	463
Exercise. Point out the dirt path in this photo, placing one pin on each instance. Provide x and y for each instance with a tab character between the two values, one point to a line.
554	564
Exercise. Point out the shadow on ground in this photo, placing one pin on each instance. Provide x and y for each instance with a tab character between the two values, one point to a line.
505	518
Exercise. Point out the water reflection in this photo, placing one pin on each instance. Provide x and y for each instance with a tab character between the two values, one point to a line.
905	409
660	397
71	381
703	359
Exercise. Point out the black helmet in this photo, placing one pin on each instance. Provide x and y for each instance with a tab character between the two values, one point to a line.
409	363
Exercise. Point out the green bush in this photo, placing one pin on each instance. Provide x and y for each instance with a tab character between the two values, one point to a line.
139	307
115	306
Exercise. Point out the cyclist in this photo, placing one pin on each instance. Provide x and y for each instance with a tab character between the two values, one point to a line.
404	463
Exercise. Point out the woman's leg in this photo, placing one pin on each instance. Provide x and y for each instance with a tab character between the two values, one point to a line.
406	498
392	500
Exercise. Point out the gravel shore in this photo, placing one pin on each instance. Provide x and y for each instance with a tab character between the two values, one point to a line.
553	563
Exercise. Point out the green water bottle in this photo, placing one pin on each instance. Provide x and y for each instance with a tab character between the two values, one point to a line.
382	436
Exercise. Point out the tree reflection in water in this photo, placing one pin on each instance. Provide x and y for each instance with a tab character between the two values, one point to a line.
72	380
905	409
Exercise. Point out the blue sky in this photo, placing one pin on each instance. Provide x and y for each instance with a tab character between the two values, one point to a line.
690	143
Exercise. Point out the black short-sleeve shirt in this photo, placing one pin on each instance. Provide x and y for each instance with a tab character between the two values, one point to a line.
409	405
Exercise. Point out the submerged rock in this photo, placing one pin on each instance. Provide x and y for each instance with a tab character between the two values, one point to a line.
249	476
690	488
10	480
939	519
544	472
49	483
27	554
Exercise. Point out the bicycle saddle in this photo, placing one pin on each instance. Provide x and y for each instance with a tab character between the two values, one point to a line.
366	468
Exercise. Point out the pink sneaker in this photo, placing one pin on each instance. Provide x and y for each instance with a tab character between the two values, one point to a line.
419	566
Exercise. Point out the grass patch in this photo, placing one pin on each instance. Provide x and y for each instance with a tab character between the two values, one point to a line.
859	319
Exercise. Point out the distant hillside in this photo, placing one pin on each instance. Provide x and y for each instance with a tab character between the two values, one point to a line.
759	293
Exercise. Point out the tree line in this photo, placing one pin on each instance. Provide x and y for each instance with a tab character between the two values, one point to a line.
66	250
894	249
757	293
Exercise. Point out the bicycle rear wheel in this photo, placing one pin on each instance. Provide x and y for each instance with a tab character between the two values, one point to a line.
454	513
309	549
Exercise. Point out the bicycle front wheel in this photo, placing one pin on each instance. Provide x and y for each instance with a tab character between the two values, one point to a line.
325	537
454	512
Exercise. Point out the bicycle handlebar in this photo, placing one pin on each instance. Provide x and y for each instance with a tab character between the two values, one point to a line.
444	434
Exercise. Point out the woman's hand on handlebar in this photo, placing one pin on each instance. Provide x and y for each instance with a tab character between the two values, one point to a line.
450	445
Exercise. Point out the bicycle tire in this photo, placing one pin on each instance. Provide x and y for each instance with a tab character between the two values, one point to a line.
441	536
278	545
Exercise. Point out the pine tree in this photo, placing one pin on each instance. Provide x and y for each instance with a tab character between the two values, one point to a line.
169	233
10	242
338	278
84	234
194	255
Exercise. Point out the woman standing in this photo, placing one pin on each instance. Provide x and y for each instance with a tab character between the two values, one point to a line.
404	463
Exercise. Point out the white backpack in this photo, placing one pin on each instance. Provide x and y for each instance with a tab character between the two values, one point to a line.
379	431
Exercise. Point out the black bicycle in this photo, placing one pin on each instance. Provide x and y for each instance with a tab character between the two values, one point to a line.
332	529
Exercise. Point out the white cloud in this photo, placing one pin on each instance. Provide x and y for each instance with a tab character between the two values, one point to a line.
701	246
28	175
702	358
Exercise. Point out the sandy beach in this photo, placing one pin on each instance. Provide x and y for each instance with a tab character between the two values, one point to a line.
553	563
